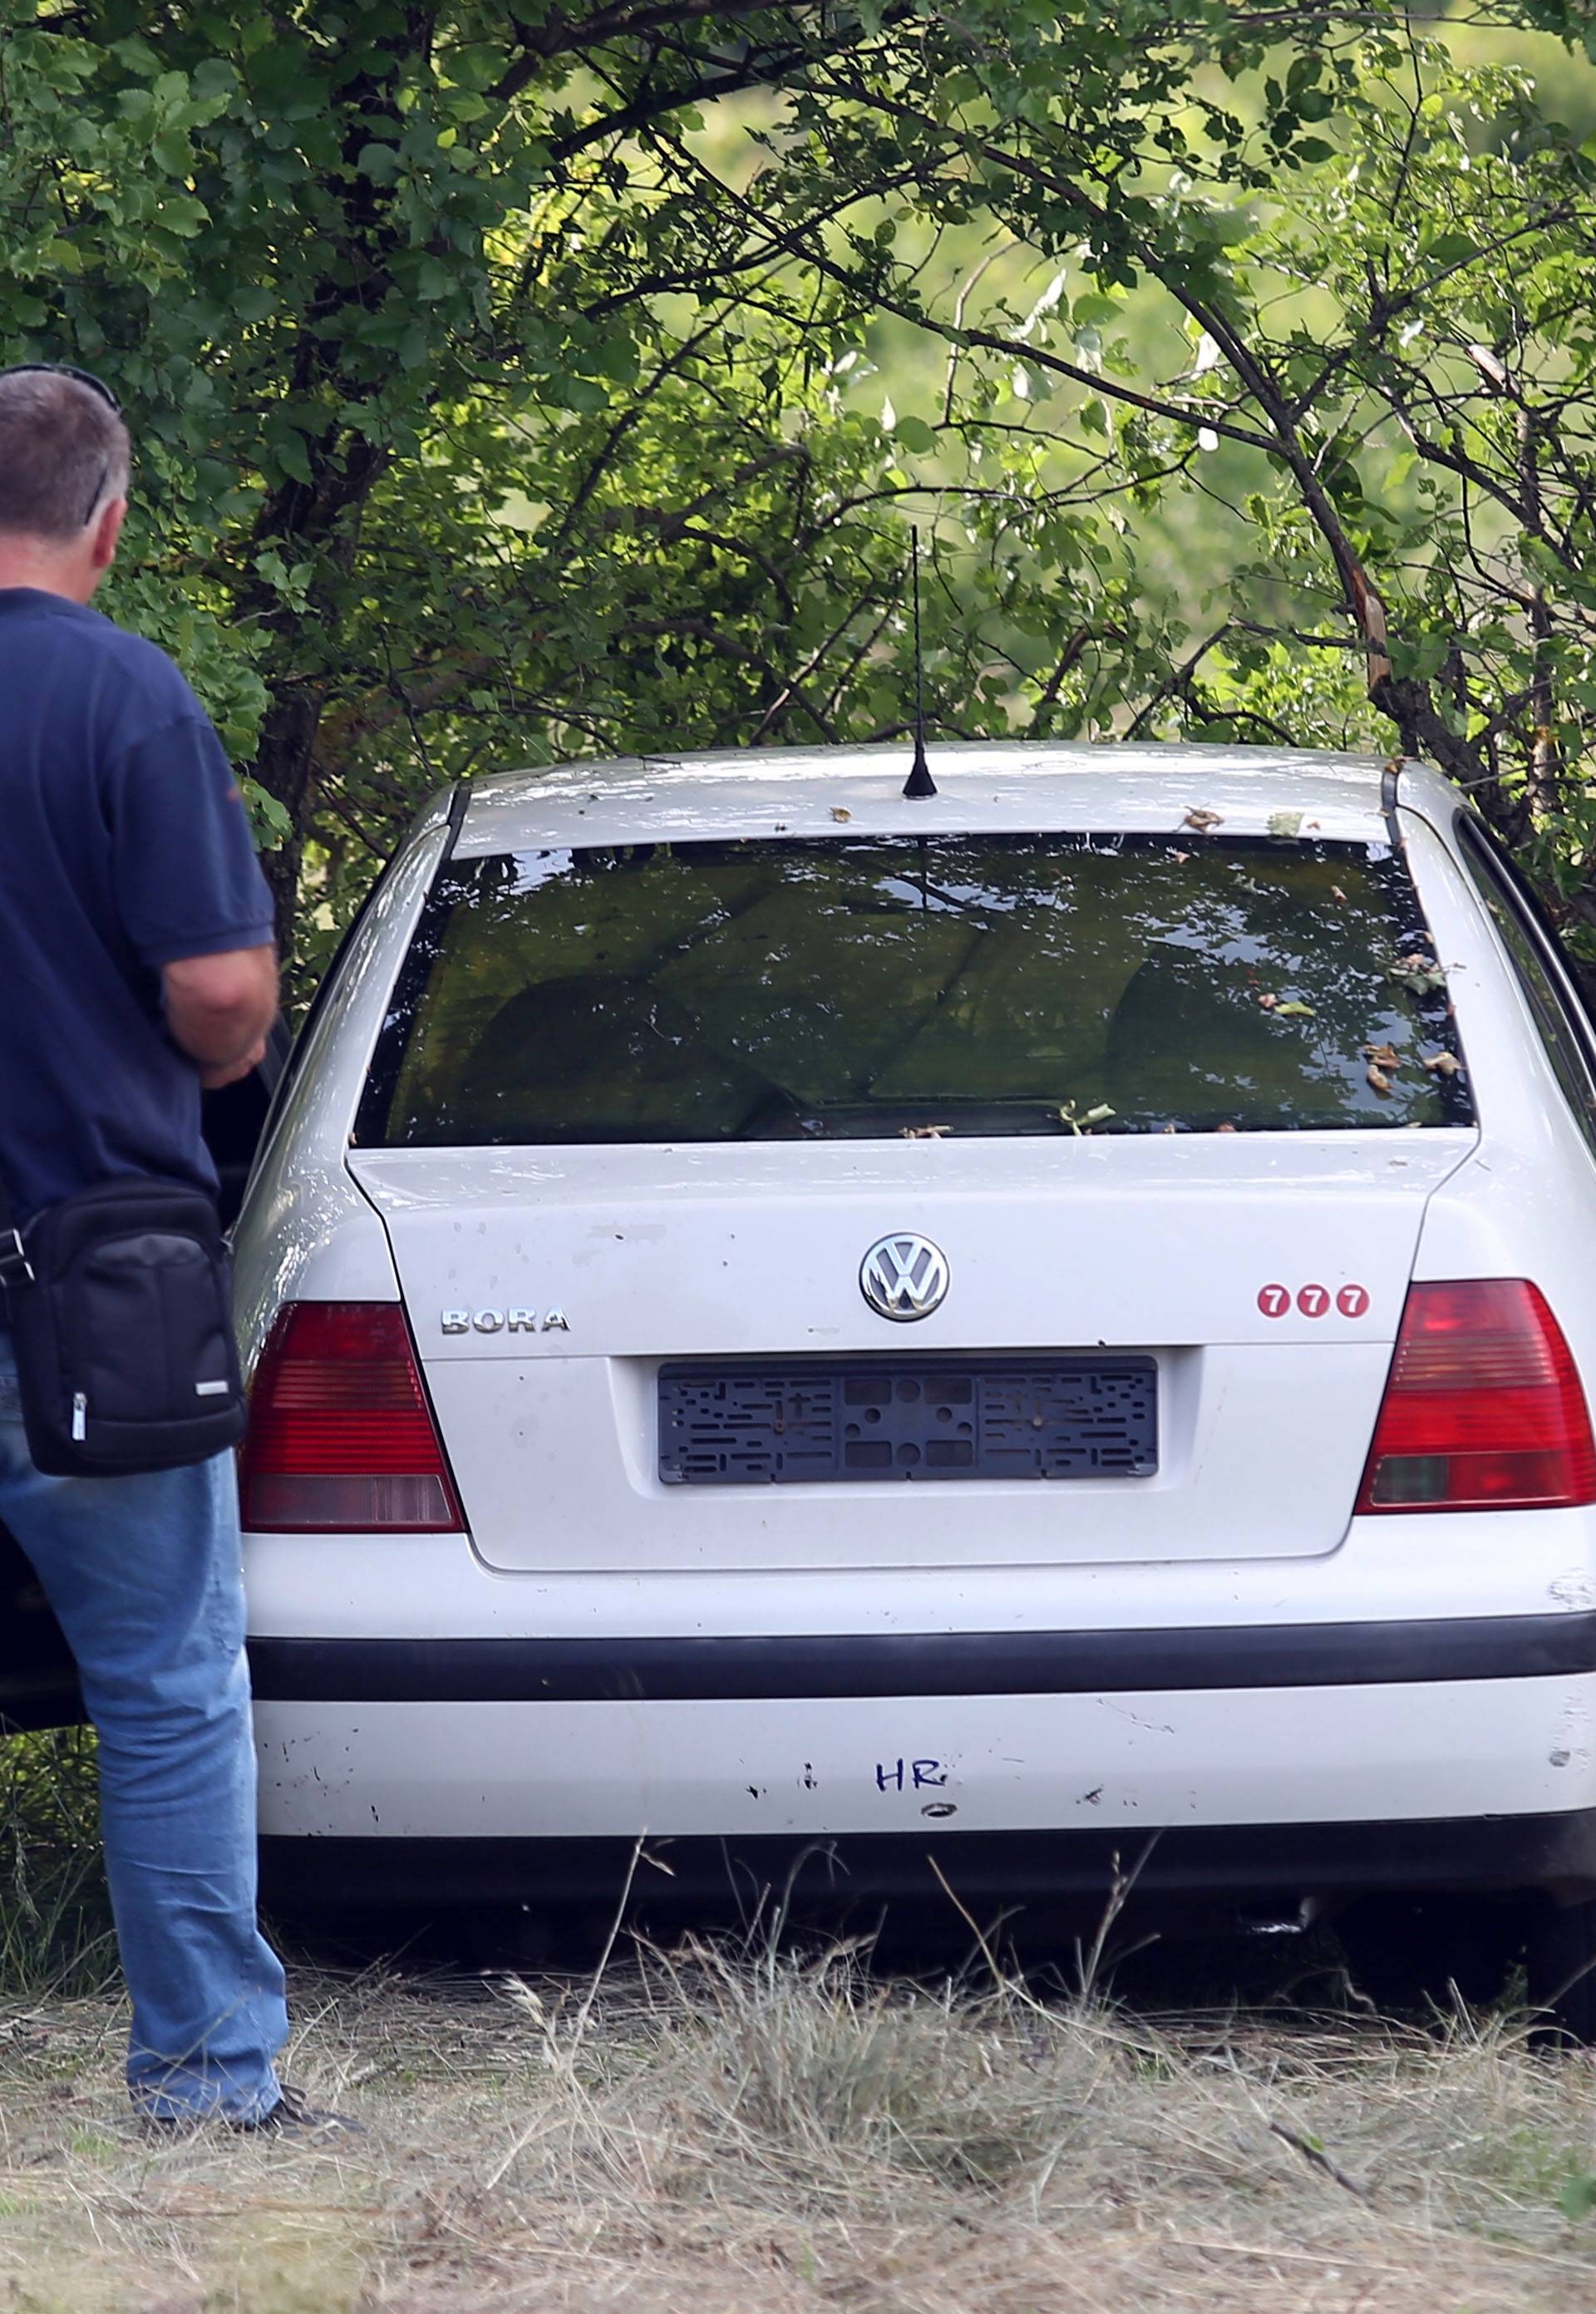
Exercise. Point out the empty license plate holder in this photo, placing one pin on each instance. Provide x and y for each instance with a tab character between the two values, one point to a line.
810	1421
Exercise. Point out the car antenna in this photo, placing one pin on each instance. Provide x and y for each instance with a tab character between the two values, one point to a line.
920	782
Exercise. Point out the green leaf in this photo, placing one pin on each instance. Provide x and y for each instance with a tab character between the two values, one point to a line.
1219	228
213	77
272	822
914	435
581	394
476	67
289	445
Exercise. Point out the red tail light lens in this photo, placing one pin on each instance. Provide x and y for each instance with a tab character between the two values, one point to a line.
1484	1410
341	1438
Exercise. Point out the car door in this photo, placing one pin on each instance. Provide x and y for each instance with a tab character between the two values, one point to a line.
38	1678
1557	986
234	1118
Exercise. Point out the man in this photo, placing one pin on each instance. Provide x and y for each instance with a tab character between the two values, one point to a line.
137	966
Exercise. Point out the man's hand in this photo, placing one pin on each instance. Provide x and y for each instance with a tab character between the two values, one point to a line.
227	1072
219	1008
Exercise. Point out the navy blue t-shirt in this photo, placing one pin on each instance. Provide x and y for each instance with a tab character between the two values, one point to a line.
124	845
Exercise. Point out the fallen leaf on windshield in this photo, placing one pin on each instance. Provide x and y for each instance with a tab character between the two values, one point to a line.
1338	895
1423	980
1066	1115
840	811
1203	820
1285	823
925	1132
1379	1079
1224	1128
1294	1012
1268	1003
1180	858
1384	1056
1445	1065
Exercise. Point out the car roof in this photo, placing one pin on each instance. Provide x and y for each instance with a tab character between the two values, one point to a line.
1016	786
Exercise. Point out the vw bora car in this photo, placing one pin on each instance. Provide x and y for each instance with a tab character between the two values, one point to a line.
1007	1343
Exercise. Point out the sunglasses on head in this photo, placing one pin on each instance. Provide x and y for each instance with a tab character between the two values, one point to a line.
83	377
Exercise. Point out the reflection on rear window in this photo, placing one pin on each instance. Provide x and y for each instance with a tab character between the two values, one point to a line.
873	986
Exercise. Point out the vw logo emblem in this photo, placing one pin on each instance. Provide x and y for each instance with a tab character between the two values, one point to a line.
903	1276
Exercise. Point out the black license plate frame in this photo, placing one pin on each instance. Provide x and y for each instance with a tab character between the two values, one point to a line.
817	1421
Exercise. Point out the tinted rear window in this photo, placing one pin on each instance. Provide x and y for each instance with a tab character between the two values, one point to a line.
874	987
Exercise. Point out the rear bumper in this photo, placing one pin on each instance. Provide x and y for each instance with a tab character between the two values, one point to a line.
1252	1753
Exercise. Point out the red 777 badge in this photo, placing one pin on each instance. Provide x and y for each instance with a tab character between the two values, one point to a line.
1313	1301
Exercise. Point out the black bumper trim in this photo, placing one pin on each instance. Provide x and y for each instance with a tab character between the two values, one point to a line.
906	1664
1212	1867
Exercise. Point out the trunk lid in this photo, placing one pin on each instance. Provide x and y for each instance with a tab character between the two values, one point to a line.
1265	1273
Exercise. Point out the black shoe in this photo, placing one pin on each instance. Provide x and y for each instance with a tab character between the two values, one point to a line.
294	2116
291	2116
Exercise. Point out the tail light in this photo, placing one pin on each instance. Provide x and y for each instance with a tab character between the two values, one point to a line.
1484	1409
341	1438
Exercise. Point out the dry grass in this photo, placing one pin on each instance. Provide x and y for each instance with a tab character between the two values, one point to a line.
715	2134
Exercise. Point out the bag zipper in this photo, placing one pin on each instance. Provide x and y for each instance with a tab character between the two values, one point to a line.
80	1416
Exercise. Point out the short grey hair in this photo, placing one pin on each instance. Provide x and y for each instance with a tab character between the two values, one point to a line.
63	453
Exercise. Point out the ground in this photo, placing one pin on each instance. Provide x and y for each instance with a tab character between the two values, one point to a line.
713	2132
722	2127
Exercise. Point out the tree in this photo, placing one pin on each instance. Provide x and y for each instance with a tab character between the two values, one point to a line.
1396	351
487	409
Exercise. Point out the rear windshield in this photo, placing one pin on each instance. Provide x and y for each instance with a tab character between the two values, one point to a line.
867	987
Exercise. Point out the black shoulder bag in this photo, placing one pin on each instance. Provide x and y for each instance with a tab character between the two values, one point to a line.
120	1304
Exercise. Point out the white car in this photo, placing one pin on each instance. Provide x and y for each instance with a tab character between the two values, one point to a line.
930	1340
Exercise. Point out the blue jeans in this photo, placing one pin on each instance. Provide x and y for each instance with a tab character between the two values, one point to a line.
145	1576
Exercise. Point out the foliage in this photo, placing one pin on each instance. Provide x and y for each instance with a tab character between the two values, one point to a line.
508	382
55	1932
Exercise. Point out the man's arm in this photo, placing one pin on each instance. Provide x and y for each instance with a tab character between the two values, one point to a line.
219	1008
190	891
